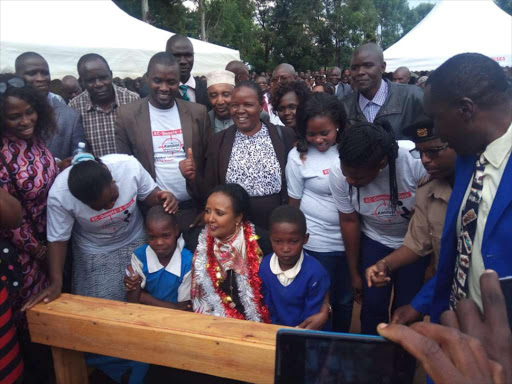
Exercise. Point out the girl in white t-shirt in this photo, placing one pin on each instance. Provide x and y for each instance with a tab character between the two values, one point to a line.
320	122
374	185
96	201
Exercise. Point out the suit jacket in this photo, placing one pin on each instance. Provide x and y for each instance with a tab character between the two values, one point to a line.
70	131
201	93
133	136
219	154
496	238
343	90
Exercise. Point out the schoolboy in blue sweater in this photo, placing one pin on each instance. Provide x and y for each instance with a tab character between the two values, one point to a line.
294	283
160	272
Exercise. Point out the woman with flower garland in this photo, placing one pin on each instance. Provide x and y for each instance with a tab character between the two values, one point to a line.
225	279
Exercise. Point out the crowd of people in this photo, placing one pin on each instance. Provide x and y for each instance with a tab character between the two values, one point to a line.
279	199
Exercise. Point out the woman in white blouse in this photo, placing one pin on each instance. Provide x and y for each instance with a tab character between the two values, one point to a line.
320	121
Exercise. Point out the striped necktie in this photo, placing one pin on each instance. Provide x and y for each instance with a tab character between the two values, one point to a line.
184	89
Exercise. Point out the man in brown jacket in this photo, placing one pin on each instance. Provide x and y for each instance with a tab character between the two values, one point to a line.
169	136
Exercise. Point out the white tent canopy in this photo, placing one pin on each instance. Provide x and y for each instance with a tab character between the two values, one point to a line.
63	31
453	27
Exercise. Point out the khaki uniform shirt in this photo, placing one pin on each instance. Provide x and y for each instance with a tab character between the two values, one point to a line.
426	227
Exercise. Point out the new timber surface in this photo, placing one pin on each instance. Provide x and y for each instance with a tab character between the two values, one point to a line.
235	349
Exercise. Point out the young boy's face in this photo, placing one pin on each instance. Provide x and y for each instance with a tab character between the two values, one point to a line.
162	237
287	242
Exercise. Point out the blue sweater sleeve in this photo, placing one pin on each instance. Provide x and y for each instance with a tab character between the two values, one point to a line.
318	285
423	299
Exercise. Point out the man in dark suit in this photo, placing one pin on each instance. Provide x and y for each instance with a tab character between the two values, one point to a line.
169	136
340	90
34	69
190	88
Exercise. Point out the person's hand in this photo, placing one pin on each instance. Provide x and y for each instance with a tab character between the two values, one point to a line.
168	200
132	282
492	328
357	287
198	221
46	295
316	321
188	166
448	355
63	164
377	275
184	306
406	315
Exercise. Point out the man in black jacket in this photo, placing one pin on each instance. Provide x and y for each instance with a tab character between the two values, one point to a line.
191	88
377	99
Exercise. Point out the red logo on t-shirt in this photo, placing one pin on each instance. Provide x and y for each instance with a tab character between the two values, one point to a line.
326	171
112	212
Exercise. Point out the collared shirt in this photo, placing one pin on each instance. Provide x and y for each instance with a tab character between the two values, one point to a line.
371	108
191	91
426	226
218	124
497	154
285	277
99	124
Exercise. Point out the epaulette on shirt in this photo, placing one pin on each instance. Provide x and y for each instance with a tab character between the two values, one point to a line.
424	181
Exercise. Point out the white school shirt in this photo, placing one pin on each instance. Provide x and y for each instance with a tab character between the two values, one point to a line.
168	150
308	180
103	231
378	220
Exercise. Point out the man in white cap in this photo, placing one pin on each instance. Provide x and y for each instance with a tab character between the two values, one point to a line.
220	86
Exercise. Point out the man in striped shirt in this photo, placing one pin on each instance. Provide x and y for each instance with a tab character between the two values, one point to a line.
99	103
377	99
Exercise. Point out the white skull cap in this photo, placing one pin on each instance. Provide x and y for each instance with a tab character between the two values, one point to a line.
220	77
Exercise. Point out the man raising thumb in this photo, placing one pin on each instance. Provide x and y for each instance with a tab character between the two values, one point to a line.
188	166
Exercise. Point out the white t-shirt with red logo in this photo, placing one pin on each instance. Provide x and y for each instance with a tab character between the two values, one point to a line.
378	220
168	150
308	180
101	231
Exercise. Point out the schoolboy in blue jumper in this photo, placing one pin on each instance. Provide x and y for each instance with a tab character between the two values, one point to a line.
294	283
160	272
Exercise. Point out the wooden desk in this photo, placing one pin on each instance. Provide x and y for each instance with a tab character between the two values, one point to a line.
235	349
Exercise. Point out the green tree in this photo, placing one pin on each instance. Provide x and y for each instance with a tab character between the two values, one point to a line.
392	15
415	15
506	5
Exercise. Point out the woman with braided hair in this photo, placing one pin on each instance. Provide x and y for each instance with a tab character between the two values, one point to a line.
373	186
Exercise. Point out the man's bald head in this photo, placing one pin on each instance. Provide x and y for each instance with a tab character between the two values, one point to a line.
34	69
182	49
283	74
402	75
334	76
70	88
239	69
370	48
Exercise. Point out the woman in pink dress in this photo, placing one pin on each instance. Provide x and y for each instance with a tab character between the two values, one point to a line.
27	171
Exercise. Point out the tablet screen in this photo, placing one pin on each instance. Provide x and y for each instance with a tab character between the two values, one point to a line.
325	358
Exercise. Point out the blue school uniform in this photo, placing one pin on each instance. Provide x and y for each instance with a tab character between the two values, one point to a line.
163	282
303	297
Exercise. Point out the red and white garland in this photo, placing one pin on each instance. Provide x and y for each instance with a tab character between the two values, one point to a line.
249	286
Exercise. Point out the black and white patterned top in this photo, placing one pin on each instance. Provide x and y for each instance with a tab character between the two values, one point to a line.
254	165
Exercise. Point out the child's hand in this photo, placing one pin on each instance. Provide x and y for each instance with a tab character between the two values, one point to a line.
316	321
132	281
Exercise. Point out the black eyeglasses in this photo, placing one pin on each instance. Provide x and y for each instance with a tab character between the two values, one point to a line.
16	82
431	153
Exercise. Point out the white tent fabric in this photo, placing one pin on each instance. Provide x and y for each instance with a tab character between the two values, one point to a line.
453	27
63	31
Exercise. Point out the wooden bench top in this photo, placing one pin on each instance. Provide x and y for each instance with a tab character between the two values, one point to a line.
235	349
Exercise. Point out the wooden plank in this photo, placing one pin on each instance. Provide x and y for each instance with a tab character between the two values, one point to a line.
69	366
235	349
